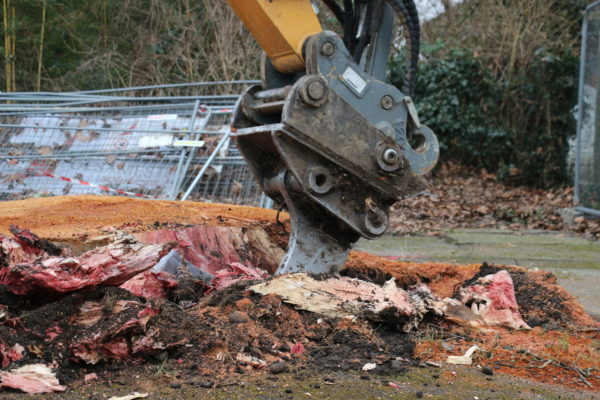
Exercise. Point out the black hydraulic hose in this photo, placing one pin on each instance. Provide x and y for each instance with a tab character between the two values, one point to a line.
416	33
349	28
335	9
365	34
406	10
407	13
358	7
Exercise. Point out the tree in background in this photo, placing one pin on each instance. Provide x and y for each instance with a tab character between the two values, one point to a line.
497	81
93	44
498	84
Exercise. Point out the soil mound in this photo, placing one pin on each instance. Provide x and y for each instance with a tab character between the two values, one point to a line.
168	282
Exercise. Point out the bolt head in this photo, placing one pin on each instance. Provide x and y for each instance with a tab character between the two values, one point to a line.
328	48
390	156
316	90
376	221
387	102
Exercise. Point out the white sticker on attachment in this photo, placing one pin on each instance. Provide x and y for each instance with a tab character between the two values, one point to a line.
354	81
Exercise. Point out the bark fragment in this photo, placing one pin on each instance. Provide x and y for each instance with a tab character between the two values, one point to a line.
33	379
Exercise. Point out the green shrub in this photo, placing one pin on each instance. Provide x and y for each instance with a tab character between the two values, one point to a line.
517	128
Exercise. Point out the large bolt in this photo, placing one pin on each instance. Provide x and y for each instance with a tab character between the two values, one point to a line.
320	180
390	156
376	221
316	90
387	102
313	90
328	48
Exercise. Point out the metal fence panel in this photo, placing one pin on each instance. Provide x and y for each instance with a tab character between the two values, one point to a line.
135	141
587	166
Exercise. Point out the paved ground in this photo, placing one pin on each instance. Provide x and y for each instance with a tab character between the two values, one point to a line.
446	383
575	261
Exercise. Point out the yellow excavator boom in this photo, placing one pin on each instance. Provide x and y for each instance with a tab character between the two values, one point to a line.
280	27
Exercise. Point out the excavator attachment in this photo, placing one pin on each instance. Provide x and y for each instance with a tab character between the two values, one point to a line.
333	143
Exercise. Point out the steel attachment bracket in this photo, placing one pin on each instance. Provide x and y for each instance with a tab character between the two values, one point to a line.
332	147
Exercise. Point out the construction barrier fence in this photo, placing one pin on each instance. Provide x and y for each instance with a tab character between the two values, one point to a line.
155	142
587	160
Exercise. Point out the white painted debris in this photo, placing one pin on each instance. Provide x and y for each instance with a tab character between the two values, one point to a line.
342	297
466	359
369	367
132	396
90	377
250	360
33	378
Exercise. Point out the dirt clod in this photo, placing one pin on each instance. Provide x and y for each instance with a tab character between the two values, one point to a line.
278	368
238	317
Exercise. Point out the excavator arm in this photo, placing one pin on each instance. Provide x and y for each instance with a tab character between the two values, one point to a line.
280	27
324	136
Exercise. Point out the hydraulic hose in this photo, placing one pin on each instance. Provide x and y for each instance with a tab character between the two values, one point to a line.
336	9
409	18
349	17
366	34
349	28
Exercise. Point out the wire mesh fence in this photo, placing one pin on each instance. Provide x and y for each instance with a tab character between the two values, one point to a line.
587	166
160	142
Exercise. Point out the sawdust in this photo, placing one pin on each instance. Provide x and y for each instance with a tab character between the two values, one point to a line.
553	357
66	217
443	279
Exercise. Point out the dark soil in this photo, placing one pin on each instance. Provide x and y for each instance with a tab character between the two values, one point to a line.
203	337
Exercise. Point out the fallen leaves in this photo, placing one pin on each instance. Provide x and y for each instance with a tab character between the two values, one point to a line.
466	199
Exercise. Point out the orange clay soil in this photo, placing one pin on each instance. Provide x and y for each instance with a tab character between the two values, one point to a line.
553	357
65	217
